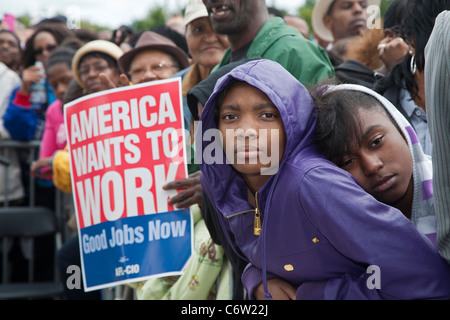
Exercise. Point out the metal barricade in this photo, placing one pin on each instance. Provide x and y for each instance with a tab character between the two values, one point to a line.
27	220
29	151
29	147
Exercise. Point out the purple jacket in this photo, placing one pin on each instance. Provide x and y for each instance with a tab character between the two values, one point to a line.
320	230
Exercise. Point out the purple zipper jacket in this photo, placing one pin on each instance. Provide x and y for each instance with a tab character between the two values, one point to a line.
320	230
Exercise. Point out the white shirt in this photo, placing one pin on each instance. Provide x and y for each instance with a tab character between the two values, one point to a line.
9	80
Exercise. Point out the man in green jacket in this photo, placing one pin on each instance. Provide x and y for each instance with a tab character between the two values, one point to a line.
252	33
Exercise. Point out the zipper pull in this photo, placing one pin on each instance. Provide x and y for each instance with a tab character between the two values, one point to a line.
257	220
257	223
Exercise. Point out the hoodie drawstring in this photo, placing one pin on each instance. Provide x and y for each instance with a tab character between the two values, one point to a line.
257	220
267	295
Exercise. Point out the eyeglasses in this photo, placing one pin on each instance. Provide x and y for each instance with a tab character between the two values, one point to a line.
84	71
158	68
48	48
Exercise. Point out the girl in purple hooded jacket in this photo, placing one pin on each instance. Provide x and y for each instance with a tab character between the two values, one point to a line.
301	219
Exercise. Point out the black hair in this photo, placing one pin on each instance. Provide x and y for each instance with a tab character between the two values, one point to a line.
72	43
394	15
58	31
338	123
419	24
134	38
74	91
173	35
275	12
61	55
14	35
85	35
126	31
417	27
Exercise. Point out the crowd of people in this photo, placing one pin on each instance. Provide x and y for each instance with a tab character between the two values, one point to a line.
358	116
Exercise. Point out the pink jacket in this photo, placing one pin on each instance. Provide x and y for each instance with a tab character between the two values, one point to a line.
54	137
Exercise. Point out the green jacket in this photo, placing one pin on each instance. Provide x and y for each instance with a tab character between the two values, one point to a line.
206	276
305	60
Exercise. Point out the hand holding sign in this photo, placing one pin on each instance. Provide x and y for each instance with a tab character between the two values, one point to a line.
192	193
123	81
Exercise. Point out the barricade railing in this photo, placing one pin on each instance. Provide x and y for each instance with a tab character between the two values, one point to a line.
29	151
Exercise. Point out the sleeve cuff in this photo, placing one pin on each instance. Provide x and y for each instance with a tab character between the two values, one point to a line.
22	100
251	278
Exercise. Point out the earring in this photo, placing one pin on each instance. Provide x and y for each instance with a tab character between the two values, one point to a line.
413	64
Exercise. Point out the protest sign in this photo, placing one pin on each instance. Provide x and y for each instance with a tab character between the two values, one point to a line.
124	145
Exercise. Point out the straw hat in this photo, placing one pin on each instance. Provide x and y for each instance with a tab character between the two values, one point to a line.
195	9
103	46
320	10
153	40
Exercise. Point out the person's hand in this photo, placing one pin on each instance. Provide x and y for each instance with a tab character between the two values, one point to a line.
392	51
123	81
191	194
30	75
39	164
278	289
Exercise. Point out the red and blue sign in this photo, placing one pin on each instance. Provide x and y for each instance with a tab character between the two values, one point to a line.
124	145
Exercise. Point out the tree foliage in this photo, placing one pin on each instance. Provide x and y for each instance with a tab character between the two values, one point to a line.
155	17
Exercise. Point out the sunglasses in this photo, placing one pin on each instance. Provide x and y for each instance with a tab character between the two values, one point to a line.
48	48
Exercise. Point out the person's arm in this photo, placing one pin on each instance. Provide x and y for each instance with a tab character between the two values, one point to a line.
29	75
191	191
41	164
391	51
278	288
20	119
371	234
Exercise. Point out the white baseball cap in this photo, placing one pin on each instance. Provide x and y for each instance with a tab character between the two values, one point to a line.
195	9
